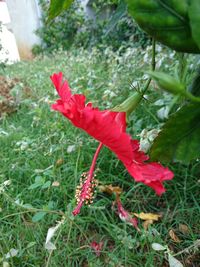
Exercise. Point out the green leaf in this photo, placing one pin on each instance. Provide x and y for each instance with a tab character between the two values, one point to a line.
179	139
194	15
46	185
27	206
39	181
165	20
51	205
58	6
38	216
35	185
31	244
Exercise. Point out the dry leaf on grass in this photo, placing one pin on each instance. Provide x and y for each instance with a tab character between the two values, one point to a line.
158	247
173	262
146	224
174	237
148	216
59	162
109	189
12	253
183	228
50	233
55	184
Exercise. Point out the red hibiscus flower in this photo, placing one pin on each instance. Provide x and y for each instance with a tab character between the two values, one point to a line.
109	128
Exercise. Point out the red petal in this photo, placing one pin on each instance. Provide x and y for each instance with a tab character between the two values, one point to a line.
125	215
97	247
62	88
109	128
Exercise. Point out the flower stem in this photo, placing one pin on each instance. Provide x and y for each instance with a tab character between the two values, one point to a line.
153	59
153	66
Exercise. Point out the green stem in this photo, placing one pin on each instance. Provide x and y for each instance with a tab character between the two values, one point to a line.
146	86
187	250
182	68
151	114
32	209
192	97
153	59
182	77
153	66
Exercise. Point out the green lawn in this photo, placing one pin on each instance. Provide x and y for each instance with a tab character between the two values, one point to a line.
35	145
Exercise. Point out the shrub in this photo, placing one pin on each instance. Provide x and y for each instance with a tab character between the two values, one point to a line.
72	27
61	32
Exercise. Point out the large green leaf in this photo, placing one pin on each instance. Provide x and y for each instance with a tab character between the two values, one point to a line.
165	20
179	139
58	6
194	15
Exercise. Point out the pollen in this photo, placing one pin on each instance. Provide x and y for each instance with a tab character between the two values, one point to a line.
85	191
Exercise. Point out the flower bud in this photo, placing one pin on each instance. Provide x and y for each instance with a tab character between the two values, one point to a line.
168	83
130	104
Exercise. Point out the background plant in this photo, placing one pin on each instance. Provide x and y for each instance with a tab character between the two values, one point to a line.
73	27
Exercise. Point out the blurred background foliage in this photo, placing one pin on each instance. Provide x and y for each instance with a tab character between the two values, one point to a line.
108	25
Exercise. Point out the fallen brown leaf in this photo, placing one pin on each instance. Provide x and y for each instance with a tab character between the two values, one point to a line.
59	162
55	184
148	216
183	228
109	189
174	237
146	224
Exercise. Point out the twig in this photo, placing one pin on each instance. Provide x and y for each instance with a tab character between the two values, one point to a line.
196	244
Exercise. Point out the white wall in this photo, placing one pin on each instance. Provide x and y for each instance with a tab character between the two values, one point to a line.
25	19
9	51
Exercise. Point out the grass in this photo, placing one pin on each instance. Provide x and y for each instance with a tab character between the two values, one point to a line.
34	142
